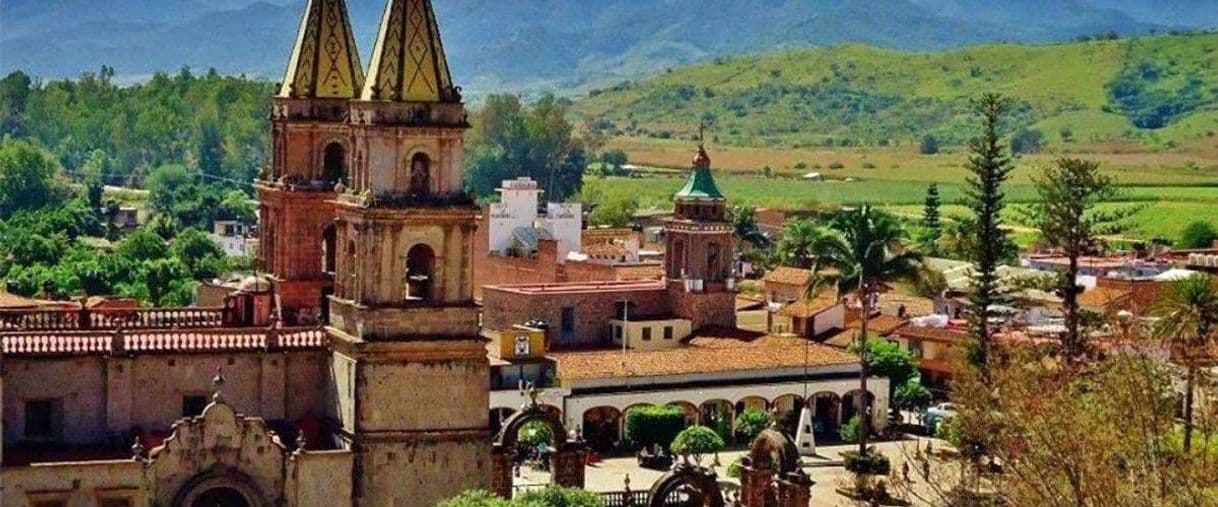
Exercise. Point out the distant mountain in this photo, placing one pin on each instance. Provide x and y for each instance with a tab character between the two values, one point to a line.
1161	91
510	44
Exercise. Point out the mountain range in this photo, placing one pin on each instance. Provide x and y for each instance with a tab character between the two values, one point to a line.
496	45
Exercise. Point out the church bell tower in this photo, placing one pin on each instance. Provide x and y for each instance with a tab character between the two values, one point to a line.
410	369
311	154
699	250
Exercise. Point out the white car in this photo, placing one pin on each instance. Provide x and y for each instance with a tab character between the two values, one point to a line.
938	414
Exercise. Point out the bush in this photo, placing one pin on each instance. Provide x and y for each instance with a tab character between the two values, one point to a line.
929	146
850	431
533	433
750	423
648	426
734	469
836	165
548	497
697	440
868	165
1198	234
871	463
1027	141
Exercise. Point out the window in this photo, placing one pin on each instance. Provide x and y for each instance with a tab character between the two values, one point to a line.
667	332
647	334
43	419
193	405
915	348
420	175
334	162
568	321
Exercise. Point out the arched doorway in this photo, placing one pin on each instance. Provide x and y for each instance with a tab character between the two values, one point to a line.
691	411
420	175
752	403
720	416
825	407
535	439
850	404
786	411
420	268
334	162
220	497
602	428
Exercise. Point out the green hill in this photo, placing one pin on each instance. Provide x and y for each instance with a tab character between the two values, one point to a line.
1159	91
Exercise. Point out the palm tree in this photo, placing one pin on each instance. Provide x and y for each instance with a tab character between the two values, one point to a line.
799	244
866	245
1188	322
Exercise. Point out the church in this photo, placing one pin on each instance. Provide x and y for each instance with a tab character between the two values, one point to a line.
351	373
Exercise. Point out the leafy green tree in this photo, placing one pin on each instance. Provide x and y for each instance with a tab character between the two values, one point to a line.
616	212
989	167
1198	234
751	423
509	140
166	281
476	498
698	441
889	360
14	93
29	178
932	221
867	247
1027	141
535	433
1188	321
1069	191
143	245
929	145
614	160
912	395
559	497
237	206
163	183
202	257
851	431
799	246
744	221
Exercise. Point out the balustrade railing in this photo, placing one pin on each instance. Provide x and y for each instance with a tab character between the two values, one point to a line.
118	341
114	318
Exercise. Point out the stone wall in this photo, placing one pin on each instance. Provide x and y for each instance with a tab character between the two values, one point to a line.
503	308
103	398
703	308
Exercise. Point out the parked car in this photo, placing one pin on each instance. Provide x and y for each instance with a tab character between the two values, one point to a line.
937	415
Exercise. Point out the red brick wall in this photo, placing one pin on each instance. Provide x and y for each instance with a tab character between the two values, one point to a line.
504	308
703	308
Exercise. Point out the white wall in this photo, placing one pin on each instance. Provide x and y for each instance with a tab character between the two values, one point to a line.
564	222
517	207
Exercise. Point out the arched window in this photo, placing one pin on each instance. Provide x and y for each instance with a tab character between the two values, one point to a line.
329	245
420	267
334	162
676	259
714	269
420	175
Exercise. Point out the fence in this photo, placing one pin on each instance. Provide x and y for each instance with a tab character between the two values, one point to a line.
113	318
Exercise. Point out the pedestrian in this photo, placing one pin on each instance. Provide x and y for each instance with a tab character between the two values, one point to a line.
926	470
905	470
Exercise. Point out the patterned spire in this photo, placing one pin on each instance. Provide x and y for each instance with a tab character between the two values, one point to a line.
325	61
408	62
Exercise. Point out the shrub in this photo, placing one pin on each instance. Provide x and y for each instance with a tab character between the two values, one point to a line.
750	423
647	426
733	470
697	440
836	165
1198	234
850	431
533	433
870	463
929	146
1027	141
868	165
558	497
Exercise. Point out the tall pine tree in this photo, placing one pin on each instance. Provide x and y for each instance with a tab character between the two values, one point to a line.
990	165
932	224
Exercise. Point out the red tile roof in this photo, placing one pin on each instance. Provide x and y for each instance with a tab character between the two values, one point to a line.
702	354
808	307
788	276
880	324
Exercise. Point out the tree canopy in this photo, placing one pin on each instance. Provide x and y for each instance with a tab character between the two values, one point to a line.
510	139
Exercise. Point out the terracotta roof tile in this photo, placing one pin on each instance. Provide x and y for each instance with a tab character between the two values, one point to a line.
808	307
936	334
788	276
880	324
1102	297
702	354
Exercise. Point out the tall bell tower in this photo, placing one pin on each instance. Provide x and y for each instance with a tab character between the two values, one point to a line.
410	369
312	147
699	250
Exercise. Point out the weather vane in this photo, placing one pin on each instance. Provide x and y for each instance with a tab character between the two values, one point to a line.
702	126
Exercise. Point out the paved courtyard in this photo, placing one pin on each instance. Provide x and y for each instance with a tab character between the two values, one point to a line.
610	474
